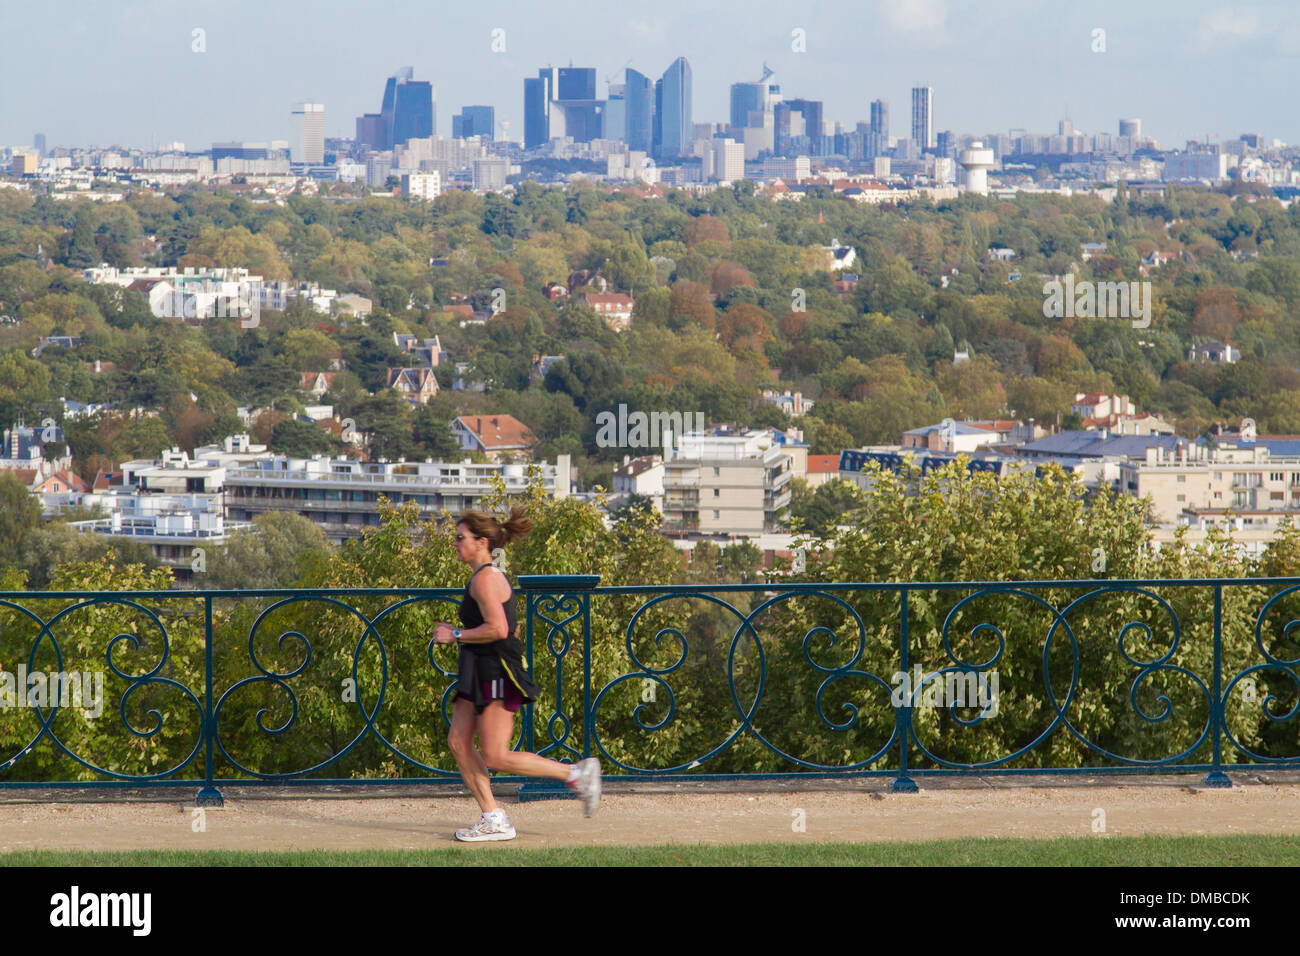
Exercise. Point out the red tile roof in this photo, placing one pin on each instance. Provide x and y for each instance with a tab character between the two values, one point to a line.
496	432
823	464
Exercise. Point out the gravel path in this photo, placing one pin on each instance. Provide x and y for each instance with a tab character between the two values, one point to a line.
635	812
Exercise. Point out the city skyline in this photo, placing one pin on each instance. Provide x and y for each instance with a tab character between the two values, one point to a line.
1021	65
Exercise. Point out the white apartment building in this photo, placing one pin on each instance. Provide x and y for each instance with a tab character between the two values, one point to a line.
339	494
308	121
426	186
792	170
726	161
640	476
278	295
342	495
177	528
187	293
726	485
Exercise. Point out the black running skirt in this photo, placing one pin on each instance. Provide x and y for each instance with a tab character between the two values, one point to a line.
482	663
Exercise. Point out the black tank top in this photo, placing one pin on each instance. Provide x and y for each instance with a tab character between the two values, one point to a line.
472	616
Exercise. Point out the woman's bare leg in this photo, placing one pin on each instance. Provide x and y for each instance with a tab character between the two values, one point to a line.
495	728
472	769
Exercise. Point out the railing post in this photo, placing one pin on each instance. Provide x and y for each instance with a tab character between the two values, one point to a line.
903	715
208	795
569	595
1216	777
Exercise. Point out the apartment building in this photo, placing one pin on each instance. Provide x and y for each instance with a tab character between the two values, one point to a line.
726	485
342	495
639	476
177	528
187	293
1249	479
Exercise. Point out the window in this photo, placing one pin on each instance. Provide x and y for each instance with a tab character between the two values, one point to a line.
1182	497
1277	476
716	492
716	471
1182	479
1276	495
715	514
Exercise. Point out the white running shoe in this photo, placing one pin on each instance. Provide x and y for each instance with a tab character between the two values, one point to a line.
587	784
487	829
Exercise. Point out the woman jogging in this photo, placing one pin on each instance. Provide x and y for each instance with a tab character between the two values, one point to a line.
492	683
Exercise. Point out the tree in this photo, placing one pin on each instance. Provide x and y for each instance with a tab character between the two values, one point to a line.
144	438
972	389
25	391
82	251
386	419
279	549
307	350
299	439
57	544
20	517
628	268
827	505
589	378
433	433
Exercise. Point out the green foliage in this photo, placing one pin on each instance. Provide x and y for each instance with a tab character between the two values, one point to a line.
299	439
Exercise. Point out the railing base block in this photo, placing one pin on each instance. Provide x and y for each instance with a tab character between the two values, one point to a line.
904	785
551	790
209	797
1218	780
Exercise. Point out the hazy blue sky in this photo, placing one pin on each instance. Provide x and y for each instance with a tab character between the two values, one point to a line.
123	71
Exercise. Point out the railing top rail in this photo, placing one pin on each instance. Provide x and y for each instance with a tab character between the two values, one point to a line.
553	583
195	593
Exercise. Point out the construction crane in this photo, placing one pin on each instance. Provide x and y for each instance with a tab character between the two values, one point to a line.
609	77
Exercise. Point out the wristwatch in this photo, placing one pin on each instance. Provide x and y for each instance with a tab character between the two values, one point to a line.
455	632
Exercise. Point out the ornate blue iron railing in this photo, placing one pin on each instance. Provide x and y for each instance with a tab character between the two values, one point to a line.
774	679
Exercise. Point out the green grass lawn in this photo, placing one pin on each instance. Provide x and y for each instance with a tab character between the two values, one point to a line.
1244	850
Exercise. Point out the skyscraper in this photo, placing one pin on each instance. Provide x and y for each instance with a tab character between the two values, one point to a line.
923	116
370	130
307	142
407	112
812	116
538	94
474	121
573	96
616	112
413	116
673	99
746	98
638	99
945	144
39	143
880	118
576	83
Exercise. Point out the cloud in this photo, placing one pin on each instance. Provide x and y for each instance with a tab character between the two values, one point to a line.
1288	41
645	29
1228	25
911	16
